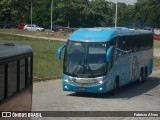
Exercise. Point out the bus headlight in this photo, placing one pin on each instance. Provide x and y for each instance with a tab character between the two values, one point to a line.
66	80
65	87
100	89
101	81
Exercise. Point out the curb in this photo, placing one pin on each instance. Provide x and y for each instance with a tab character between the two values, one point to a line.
35	79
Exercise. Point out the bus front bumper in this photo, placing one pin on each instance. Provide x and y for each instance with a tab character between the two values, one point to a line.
100	88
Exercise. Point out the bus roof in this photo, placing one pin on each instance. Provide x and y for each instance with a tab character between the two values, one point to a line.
8	50
102	34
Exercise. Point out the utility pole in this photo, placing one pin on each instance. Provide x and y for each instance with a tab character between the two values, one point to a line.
31	14
116	13
51	13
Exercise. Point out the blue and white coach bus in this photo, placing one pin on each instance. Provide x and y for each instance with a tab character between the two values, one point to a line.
99	60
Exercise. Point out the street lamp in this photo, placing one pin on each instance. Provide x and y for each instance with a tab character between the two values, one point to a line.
51	13
31	13
116	13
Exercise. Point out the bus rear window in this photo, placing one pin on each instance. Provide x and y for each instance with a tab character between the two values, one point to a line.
1	82
12	78
22	74
29	70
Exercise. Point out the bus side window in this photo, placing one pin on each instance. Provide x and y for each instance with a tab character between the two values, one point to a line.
135	43
110	64
119	43
12	78
141	43
22	74
151	41
28	71
2	82
112	57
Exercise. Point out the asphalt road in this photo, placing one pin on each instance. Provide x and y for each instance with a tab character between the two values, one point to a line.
48	96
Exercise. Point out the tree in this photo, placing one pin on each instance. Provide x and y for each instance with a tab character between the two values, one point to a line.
6	11
79	13
70	11
98	13
155	12
123	13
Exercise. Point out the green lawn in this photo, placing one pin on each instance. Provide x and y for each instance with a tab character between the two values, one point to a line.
156	44
156	61
157	49
46	64
60	34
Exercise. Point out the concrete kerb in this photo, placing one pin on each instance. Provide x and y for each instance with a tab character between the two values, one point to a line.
36	79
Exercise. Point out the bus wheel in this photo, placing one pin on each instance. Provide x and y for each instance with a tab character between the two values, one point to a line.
146	72
141	78
115	88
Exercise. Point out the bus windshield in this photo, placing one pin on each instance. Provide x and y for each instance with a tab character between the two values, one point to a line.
85	59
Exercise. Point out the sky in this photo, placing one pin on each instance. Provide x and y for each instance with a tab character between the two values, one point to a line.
131	2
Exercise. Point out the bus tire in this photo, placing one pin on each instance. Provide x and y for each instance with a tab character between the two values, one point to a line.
115	87
141	77
146	71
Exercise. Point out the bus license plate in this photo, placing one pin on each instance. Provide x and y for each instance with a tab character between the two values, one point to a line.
82	89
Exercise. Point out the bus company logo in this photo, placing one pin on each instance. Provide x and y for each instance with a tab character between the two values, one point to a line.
20	114
6	114
135	66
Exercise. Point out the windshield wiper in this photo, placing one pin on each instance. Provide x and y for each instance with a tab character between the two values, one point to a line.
76	67
75	70
90	71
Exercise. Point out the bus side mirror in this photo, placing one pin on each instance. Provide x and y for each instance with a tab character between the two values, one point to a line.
60	51
108	54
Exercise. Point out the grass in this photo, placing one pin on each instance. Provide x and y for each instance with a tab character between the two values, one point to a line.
157	44
157	49
46	64
60	34
156	61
